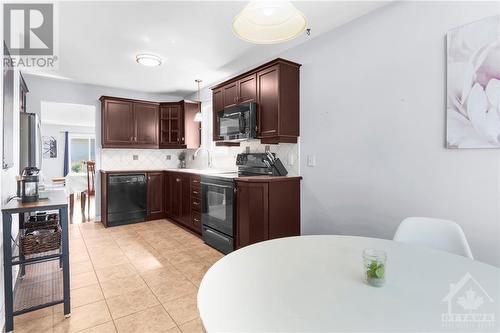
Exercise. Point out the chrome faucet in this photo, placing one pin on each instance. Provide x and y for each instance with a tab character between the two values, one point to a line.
209	155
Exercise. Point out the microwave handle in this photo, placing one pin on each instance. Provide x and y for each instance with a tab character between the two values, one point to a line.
242	123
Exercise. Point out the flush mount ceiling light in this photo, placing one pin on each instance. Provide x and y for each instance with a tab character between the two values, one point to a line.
269	22
149	60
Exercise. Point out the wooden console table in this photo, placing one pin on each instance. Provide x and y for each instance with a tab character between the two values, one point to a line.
57	200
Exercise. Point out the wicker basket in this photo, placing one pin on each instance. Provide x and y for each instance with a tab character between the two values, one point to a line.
42	221
32	244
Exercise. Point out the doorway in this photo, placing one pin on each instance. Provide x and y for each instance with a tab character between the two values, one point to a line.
69	155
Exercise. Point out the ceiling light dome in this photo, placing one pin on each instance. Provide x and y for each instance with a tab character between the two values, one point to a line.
149	60
269	22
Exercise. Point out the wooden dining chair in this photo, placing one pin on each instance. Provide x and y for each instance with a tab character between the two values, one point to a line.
85	196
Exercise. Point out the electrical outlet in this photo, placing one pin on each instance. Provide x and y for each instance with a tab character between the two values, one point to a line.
311	160
247	149
135	157
267	148
169	157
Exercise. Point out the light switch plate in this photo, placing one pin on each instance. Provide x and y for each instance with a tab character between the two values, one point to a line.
311	160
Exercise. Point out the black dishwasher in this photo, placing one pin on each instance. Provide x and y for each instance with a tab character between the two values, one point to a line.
127	199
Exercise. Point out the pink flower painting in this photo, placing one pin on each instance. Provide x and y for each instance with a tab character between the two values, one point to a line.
473	100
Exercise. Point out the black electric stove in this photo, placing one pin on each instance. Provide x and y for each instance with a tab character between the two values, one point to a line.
218	198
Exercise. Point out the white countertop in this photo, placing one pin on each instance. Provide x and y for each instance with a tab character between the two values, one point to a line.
195	171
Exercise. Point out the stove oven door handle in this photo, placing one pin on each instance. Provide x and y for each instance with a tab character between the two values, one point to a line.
216	185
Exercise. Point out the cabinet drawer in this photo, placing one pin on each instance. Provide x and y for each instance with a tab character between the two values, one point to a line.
195	192
196	204
196	181
196	220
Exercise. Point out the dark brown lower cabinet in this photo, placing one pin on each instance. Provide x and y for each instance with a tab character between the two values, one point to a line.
155	195
266	208
196	203
179	200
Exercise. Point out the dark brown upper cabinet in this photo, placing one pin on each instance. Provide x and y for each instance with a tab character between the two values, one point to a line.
171	129
177	126
146	122
230	93
217	105
275	88
117	123
192	129
127	123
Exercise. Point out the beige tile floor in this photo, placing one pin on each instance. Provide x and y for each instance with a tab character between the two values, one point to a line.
136	278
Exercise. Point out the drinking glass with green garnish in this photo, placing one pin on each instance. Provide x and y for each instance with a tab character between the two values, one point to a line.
374	264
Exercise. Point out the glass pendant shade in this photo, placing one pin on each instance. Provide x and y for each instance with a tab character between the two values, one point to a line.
197	117
269	22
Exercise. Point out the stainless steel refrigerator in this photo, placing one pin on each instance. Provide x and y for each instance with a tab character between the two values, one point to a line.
30	141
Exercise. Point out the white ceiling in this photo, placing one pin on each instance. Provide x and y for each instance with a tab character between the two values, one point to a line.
98	41
67	114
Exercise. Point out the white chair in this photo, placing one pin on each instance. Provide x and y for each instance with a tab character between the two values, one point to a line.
434	233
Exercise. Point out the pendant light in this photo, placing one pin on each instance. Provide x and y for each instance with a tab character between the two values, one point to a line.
269	22
197	117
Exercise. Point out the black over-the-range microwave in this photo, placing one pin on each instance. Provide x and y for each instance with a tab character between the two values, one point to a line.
238	123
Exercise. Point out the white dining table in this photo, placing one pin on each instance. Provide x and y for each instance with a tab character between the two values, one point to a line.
315	284
76	182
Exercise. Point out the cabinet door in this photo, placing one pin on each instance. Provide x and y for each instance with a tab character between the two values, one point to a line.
217	105
118	124
247	89
186	200
164	125
146	117
252	213
230	92
267	98
217	100
175	128
168	193
176	190
155	195
191	128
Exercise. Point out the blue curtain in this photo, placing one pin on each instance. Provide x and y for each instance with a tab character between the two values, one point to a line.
66	153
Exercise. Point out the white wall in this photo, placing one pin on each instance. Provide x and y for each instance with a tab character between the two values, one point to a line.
62	91
373	114
8	176
54	167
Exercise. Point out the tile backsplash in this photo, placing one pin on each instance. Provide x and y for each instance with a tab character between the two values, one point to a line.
223	158
139	159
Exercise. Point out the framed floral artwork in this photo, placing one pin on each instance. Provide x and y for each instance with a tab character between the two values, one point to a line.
473	85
